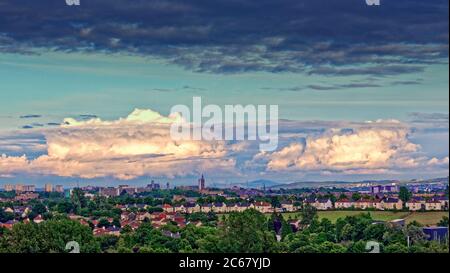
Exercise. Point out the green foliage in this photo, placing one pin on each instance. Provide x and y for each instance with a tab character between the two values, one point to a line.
404	195
356	196
48	237
396	248
308	215
5	216
443	222
245	232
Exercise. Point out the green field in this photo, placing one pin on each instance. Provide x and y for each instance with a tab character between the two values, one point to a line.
425	218
429	218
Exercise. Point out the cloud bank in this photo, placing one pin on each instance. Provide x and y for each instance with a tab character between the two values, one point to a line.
338	38
140	145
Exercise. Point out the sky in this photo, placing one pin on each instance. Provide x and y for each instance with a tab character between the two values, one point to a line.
362	90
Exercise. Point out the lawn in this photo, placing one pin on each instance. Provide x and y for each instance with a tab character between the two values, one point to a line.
429	218
425	218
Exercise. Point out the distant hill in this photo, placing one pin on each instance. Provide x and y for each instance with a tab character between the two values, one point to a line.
257	184
315	184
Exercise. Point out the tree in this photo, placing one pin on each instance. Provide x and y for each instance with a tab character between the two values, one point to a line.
443	222
39	208
404	195
396	248
375	232
103	222
286	228
5	216
246	232
49	237
308	215
356	196
78	200
415	234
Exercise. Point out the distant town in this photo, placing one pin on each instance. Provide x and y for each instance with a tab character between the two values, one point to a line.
162	204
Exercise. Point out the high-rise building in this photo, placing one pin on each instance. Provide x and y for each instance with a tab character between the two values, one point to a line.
8	187
153	186
201	183
19	187
48	188
29	188
59	188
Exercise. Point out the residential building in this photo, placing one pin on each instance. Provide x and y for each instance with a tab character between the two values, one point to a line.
320	204
29	188
287	207
8	187
219	208
59	188
19	187
344	204
384	189
392	204
109	192
433	205
263	207
416	204
167	208
48	188
26	196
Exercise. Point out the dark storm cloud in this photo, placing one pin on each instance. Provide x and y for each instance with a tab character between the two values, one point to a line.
321	87
230	36
30	116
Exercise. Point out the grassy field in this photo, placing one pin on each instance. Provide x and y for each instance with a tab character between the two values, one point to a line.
429	218
425	218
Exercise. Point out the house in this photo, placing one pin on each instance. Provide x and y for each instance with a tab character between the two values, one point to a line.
391	203
26	196
167	208
416	204
180	208
344	204
263	207
433	205
38	219
206	208
364	204
128	216
232	207
141	216
287	207
22	211
8	210
180	220
443	200
192	208
9	224
320	204
106	231
243	206
219	208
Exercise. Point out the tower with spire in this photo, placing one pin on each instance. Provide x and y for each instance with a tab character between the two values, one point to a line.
201	183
